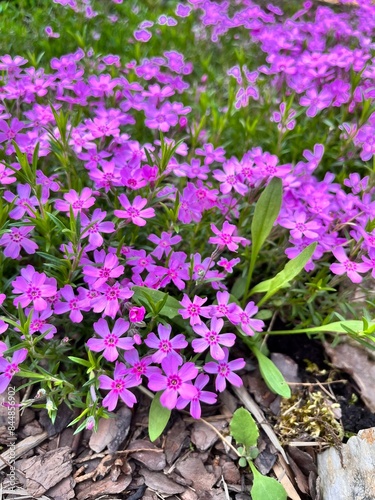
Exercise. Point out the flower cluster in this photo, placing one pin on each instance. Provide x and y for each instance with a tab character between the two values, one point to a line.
118	204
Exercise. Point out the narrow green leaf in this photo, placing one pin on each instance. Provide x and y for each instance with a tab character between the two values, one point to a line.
355	325
243	428
290	271
271	374
266	488
266	211
158	418
80	361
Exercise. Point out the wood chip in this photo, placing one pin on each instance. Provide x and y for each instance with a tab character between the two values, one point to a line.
355	361
42	472
89	489
193	469
111	431
203	437
153	460
175	441
159	482
21	449
64	490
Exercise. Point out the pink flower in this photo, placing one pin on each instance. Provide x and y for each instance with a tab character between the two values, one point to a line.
109	269
134	212
175	382
225	236
204	396
108	301
212	338
73	303
243	318
136	314
164	345
15	240
194	310
33	287
110	341
118	387
76	201
10	368
347	266
94	227
224	371
24	203
163	244
230	178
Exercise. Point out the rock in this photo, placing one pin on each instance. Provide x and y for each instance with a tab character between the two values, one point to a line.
349	475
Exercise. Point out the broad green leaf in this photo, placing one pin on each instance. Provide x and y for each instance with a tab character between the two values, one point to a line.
171	307
266	488
266	211
158	418
272	375
243	428
238	288
290	271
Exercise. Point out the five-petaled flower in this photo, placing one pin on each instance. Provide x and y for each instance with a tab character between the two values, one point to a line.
110	342
134	212
118	387
226	237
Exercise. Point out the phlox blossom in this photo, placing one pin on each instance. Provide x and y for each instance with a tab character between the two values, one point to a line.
211	338
110	342
134	212
10	368
34	288
165	345
193	310
225	237
346	266
225	371
175	382
201	396
17	239
118	387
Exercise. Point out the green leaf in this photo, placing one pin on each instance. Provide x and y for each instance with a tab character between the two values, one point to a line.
266	488
243	428
80	361
290	271
171	306
266	211
271	374
158	418
355	325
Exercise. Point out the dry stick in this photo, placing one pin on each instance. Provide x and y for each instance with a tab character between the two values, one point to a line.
21	448
254	409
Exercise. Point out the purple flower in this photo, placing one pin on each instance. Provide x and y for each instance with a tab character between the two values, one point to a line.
110	341
161	119
48	184
164	243
139	367
94	227
164	344
204	396
73	303
299	227
33	287
225	237
15	240
10	368
108	301
6	175
110	269
243	318
347	266
175	381
230	178
77	201
39	324
136	314
194	310
211	154
24	203
224	371
134	212
142	35
118	387
183	10
211	338
176	272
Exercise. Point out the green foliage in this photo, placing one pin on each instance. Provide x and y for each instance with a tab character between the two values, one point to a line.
272	375
158	418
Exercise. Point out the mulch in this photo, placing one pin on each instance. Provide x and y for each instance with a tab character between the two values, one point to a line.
192	459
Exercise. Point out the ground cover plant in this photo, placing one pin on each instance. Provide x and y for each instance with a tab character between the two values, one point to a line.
174	180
